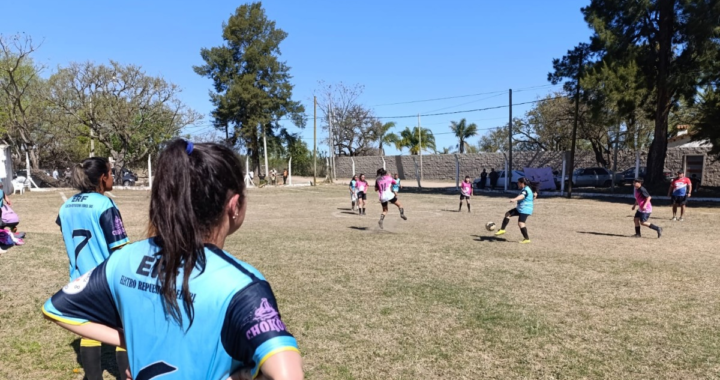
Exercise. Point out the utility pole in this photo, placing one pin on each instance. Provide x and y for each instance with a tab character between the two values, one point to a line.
314	140
92	142
508	175
332	142
575	125
420	146
267	178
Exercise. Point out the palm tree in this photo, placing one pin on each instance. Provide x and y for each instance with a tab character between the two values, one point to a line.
463	132
385	138
410	139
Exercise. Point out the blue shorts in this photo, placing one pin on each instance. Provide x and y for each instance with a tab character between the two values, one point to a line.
643	216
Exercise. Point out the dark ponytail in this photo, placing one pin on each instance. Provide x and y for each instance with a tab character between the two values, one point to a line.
86	175
193	184
533	185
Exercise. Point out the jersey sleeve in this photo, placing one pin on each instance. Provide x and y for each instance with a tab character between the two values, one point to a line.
58	222
113	228
253	331
644	193
85	299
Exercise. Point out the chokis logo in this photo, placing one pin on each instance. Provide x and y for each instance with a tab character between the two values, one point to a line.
267	320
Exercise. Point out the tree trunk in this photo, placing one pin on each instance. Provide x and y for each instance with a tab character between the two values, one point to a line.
658	148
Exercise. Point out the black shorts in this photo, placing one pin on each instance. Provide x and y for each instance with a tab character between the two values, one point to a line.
643	216
384	204
679	201
521	217
463	197
361	195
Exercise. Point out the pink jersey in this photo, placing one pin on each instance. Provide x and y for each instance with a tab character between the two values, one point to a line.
466	188
641	197
383	185
361	186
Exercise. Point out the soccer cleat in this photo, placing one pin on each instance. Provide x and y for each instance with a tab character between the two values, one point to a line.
674	219
403	216
525	241
636	236
380	223
20	235
681	219
500	232
659	231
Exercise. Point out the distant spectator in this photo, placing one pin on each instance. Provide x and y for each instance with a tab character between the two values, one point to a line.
273	177
68	174
483	178
494	176
285	175
55	174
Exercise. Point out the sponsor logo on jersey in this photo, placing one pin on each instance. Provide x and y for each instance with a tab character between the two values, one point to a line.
118	228
267	319
77	285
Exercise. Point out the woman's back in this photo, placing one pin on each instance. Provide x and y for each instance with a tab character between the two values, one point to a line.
236	323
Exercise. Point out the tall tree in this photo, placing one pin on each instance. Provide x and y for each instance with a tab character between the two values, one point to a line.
463	132
674	42
127	111
495	140
708	125
354	127
251	86
416	140
21	93
384	136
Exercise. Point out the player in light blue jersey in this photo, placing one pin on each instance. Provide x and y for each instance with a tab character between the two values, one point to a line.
525	204
92	228
183	307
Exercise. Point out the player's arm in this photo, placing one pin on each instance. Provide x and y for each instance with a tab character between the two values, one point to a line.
85	306
273	353
113	228
7	200
670	189
689	185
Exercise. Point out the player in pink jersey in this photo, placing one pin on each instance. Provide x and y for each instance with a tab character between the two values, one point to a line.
642	201
466	191
362	187
383	185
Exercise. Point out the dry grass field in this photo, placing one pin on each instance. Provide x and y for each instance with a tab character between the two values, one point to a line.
431	297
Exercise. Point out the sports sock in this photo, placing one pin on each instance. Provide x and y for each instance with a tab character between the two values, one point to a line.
382	216
506	221
460	209
524	232
468	207
90	358
654	227
122	362
637	230
402	211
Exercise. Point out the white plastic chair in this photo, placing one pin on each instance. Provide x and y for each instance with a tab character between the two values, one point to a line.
19	184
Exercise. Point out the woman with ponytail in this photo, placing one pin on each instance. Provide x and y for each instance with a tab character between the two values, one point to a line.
184	307
528	193
92	228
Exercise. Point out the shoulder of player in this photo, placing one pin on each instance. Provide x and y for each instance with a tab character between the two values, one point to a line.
227	268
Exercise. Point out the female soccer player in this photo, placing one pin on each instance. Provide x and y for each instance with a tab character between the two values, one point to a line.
362	187
383	185
466	191
528	193
353	191
178	301
642	201
92	228
397	186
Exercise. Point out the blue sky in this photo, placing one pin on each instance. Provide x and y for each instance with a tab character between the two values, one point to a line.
401	51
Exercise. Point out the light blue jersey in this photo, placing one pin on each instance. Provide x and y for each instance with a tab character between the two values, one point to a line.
92	227
396	186
236	325
525	206
2	198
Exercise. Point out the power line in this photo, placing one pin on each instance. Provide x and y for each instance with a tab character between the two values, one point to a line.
463	96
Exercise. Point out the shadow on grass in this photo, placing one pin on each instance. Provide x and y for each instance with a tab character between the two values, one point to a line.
602	234
488	238
344	208
108	360
359	228
446	210
349	212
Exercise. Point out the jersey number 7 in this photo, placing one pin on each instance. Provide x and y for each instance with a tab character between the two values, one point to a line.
81	233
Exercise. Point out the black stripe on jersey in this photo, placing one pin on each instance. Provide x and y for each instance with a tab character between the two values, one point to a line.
94	302
231	261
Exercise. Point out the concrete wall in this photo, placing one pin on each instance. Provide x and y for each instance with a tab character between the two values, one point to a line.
442	166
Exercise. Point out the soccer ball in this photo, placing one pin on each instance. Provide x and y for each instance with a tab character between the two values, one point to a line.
490	226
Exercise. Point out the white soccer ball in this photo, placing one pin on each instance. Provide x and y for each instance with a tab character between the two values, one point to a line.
490	226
